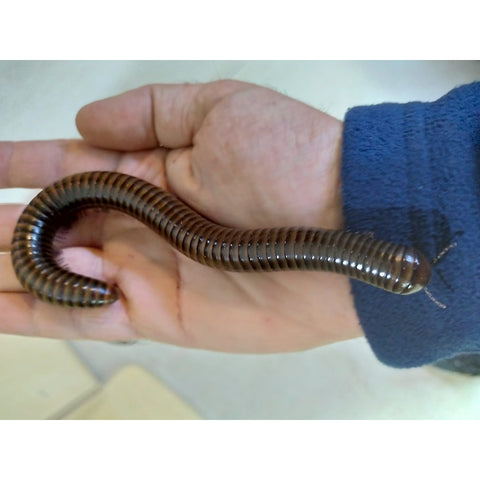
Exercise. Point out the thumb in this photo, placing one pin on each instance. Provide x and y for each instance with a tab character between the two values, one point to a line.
153	115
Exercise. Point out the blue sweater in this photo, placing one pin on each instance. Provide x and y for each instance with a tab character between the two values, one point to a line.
411	174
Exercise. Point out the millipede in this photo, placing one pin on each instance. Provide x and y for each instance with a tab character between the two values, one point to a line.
395	268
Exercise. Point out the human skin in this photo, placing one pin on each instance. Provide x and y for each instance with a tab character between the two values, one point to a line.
243	156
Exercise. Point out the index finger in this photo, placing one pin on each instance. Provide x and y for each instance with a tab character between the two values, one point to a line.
36	164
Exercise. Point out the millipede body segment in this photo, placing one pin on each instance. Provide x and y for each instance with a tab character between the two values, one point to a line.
395	268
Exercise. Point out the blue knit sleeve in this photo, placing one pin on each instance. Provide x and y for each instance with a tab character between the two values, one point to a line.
411	174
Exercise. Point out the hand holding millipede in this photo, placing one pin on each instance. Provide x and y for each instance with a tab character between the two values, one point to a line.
245	158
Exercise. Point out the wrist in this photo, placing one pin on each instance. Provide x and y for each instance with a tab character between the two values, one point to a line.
330	177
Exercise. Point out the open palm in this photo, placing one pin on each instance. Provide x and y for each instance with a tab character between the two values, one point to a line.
243	156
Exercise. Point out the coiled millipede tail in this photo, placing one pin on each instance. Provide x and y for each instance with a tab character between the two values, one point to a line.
394	268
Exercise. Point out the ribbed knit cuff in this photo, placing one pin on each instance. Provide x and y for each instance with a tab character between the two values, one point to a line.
411	174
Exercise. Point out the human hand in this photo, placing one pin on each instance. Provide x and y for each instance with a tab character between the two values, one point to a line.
242	155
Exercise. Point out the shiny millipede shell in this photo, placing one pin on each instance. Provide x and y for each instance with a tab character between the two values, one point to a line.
394	268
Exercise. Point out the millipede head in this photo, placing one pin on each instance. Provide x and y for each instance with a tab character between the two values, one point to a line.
420	272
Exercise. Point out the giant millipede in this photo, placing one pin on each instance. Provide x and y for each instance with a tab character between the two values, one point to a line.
394	268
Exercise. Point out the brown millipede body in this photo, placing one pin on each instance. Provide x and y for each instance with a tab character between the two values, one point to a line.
395	268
